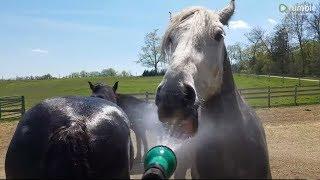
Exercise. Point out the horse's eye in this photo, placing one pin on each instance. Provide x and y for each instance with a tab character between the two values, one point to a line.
218	36
170	40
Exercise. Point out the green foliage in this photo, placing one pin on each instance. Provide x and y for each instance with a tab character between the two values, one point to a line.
108	72
153	73
43	77
293	48
125	74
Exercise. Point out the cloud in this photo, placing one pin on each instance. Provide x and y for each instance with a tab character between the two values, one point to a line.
239	24
40	51
272	21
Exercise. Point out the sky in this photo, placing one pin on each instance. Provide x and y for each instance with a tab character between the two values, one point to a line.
59	37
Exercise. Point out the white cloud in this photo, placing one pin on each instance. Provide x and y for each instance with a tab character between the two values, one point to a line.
272	21
40	51
239	24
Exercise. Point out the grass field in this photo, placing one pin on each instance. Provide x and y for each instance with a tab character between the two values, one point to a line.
37	90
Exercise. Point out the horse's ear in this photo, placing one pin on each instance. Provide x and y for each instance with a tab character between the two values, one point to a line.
115	87
226	13
91	86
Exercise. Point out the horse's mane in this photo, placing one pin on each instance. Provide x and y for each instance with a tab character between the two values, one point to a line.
203	25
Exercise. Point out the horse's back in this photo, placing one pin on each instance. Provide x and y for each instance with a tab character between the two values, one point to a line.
107	127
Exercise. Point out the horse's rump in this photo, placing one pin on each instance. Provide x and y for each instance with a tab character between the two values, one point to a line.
70	137
67	152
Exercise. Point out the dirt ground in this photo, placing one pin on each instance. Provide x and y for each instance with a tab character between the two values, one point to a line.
293	135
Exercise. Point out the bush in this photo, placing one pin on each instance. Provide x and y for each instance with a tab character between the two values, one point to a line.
153	73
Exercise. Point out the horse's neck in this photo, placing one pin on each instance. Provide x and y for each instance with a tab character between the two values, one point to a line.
224	105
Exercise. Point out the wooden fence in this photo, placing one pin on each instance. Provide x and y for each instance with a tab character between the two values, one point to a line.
280	96
270	96
12	107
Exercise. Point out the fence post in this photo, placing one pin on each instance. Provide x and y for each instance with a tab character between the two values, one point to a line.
319	82
269	97
299	81
147	96
295	95
23	106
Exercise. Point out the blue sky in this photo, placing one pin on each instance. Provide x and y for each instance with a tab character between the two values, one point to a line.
60	37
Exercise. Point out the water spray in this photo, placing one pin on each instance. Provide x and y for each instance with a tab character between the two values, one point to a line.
160	162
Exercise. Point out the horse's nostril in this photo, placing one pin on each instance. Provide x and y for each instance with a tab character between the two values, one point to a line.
189	94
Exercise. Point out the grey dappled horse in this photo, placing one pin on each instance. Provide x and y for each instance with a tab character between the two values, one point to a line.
142	115
71	138
198	96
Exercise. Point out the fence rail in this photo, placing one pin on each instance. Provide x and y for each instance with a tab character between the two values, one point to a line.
12	107
269	96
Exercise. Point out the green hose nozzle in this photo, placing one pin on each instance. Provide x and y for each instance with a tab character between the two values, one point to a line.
159	162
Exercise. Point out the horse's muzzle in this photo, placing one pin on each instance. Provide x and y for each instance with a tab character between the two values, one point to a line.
183	123
178	108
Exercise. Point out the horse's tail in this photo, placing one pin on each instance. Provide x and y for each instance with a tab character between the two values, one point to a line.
67	152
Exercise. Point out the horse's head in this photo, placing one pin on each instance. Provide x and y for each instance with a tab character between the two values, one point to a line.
104	91
194	47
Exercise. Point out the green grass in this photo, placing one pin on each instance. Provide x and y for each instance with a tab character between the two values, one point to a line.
284	101
37	90
251	81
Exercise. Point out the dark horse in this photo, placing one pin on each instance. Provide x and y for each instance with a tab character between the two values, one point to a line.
71	137
139	112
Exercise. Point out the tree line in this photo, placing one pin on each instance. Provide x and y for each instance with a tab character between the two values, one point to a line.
104	73
43	77
292	48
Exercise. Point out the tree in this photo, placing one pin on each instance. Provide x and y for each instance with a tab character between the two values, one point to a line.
295	23
150	55
258	37
314	22
237	57
260	47
109	72
83	74
74	75
280	50
314	31
94	74
125	74
235	52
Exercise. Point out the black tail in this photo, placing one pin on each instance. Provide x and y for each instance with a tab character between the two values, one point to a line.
67	153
